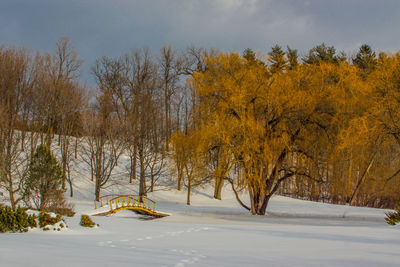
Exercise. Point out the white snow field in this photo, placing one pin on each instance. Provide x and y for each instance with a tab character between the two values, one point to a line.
208	233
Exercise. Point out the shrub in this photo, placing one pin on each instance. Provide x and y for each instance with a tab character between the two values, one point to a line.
32	221
59	205
46	219
393	218
15	221
86	221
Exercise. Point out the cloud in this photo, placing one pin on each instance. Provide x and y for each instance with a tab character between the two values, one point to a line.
103	27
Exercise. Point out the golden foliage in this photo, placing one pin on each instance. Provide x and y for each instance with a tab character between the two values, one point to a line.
324	122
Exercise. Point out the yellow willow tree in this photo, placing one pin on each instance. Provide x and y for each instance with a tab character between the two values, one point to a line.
270	123
188	157
375	137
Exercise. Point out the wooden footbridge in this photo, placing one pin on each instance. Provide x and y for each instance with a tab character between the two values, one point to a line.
139	204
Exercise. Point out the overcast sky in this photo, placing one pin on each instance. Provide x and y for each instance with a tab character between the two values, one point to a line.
112	27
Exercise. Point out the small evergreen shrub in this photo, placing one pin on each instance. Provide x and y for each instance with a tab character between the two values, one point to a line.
32	221
86	221
393	218
15	221
46	219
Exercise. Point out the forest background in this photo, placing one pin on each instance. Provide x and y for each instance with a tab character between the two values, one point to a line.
324	126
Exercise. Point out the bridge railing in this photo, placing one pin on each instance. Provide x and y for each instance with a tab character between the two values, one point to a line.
104	200
119	201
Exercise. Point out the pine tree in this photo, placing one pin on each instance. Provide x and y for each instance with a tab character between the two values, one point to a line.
365	59
44	180
249	55
277	59
321	53
292	55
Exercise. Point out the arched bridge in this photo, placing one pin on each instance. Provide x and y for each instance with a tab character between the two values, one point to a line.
138	204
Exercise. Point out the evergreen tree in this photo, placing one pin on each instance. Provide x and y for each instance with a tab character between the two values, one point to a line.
292	55
341	57
44	180
276	58
249	55
321	53
365	59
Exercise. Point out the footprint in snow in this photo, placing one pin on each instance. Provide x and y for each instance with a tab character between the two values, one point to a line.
195	257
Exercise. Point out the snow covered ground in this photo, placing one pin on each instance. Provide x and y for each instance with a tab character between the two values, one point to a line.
209	233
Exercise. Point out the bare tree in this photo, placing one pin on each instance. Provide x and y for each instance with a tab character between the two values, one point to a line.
171	67
103	144
134	90
15	86
72	101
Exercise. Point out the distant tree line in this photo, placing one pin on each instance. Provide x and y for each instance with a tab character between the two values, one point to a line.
323	126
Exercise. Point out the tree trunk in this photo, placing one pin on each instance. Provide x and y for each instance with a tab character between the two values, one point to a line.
64	145
135	151
219	182
97	192
152	179
142	182
76	147
71	189
166	103
260	205
258	201
189	188
91	168
179	179
98	169
360	181
23	141
10	181
11	194
132	168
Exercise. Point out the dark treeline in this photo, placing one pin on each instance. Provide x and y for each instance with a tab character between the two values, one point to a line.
324	126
